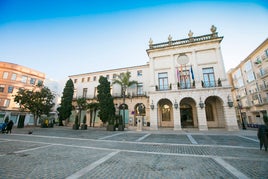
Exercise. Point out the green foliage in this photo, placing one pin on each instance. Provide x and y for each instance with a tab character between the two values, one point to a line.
106	105
76	120
265	119
85	120
124	81
65	109
37	102
93	107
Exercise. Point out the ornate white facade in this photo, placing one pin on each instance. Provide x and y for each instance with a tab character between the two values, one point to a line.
184	85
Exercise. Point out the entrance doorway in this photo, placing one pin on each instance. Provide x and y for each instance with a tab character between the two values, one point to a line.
186	116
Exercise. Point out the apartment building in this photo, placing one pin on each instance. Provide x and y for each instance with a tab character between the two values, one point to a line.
13	77
250	86
184	85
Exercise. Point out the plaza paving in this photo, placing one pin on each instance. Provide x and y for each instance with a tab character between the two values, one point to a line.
61	152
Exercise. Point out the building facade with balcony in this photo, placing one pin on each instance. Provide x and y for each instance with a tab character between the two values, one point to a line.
250	86
184	85
12	78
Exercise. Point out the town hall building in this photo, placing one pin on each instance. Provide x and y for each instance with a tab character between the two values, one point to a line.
183	85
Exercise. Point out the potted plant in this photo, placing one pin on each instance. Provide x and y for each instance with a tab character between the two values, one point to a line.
219	82
84	126
111	125
265	119
202	83
76	125
120	122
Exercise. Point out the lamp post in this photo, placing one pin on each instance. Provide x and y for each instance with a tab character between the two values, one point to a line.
201	103
240	112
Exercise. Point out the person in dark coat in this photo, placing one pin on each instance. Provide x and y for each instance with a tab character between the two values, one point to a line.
263	136
9	126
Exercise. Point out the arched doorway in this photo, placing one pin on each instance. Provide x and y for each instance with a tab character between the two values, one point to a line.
123	111
165	111
139	110
214	112
188	113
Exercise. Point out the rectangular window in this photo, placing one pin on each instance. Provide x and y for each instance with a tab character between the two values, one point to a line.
10	89
185	81
114	76
24	79
140	89
139	73
163	81
32	81
250	76
5	75
248	65
266	52
107	76
7	102
95	92
82	80
75	80
88	79
209	78
84	92
2	88
94	78
14	76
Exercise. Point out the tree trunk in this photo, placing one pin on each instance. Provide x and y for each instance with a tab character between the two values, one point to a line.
90	120
35	120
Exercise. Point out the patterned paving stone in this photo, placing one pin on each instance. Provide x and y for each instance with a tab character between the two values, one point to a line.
132	165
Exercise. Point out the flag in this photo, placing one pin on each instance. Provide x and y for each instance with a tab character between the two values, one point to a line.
192	73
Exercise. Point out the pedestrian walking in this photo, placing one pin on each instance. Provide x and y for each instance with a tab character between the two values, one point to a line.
9	126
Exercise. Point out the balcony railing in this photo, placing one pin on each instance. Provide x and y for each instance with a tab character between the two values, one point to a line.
185	41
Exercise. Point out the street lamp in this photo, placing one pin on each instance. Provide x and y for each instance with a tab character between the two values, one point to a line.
152	105
241	117
176	104
201	103
230	102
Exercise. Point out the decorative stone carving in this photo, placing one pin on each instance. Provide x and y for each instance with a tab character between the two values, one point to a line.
151	43
190	34
213	29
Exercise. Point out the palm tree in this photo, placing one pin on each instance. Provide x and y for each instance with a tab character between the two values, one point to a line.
124	81
81	105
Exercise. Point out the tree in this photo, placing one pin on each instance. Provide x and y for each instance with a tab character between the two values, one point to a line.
106	105
81	105
124	81
37	102
93	107
65	109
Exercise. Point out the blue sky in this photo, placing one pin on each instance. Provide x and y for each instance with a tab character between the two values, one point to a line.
68	37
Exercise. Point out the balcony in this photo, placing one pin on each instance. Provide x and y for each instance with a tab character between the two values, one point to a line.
163	87
211	84
185	41
263	73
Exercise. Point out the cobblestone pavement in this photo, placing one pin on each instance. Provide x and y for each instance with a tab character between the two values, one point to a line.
61	152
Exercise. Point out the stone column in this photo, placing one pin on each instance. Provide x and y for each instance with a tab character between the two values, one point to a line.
202	122
230	118
139	123
153	120
177	119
